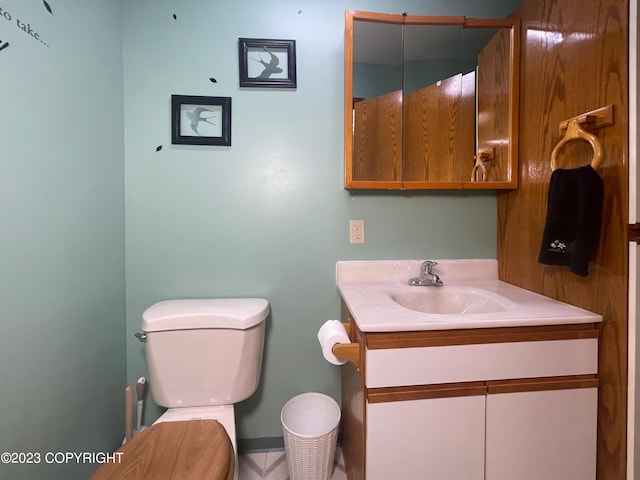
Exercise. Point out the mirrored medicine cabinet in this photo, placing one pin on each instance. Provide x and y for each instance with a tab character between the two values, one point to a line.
430	102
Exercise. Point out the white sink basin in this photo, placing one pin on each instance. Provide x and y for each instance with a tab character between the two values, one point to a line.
451	300
380	299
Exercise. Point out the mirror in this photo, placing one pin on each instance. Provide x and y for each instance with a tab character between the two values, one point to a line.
430	102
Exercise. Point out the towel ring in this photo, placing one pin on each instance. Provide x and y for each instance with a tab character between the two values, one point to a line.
479	165
575	132
481	158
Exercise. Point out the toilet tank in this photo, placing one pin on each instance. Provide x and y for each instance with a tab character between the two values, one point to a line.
203	352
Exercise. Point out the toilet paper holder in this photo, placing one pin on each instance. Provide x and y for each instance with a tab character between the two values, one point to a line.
347	351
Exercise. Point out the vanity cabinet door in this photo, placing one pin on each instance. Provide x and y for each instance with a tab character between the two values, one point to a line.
434	438
548	434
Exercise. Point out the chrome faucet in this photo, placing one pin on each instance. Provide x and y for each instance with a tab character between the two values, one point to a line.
427	278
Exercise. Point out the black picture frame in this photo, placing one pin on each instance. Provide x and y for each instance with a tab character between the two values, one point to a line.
267	63
199	120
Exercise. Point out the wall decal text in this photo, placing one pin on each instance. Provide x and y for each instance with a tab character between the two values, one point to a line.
22	25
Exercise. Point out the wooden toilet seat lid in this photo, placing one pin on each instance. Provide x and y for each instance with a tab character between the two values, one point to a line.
189	450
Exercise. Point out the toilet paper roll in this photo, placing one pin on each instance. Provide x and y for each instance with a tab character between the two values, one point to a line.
330	333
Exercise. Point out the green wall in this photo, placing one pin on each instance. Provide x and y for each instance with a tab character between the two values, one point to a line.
267	216
62	351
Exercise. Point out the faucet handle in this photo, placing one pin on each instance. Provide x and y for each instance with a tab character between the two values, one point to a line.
428	265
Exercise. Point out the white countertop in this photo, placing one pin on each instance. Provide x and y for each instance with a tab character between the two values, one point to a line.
367	288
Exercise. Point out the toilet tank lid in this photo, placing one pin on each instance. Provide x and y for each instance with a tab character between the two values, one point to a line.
189	314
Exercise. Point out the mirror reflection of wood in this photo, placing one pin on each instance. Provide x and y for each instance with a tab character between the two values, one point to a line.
377	147
427	130
434	148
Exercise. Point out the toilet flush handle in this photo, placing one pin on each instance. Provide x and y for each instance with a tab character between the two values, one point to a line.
141	336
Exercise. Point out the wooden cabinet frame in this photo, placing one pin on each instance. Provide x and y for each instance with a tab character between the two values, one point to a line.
502	121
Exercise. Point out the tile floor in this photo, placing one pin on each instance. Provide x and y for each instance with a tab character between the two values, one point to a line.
272	465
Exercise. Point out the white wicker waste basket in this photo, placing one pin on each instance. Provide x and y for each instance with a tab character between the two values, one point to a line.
310	428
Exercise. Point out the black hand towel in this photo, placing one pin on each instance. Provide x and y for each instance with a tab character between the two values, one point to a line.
573	219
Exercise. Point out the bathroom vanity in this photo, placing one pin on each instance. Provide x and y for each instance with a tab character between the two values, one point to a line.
476	379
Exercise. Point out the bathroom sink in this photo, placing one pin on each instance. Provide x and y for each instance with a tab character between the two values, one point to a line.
451	300
379	298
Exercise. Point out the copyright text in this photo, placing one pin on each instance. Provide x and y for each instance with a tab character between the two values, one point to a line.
26	458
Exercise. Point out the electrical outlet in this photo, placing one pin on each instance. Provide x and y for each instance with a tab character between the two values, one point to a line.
356	231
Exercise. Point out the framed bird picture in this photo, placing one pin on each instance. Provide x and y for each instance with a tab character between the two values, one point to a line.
197	120
267	63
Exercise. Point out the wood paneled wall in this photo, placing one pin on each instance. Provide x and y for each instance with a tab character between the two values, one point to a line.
574	59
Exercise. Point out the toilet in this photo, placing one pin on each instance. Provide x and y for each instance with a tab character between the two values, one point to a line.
203	356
